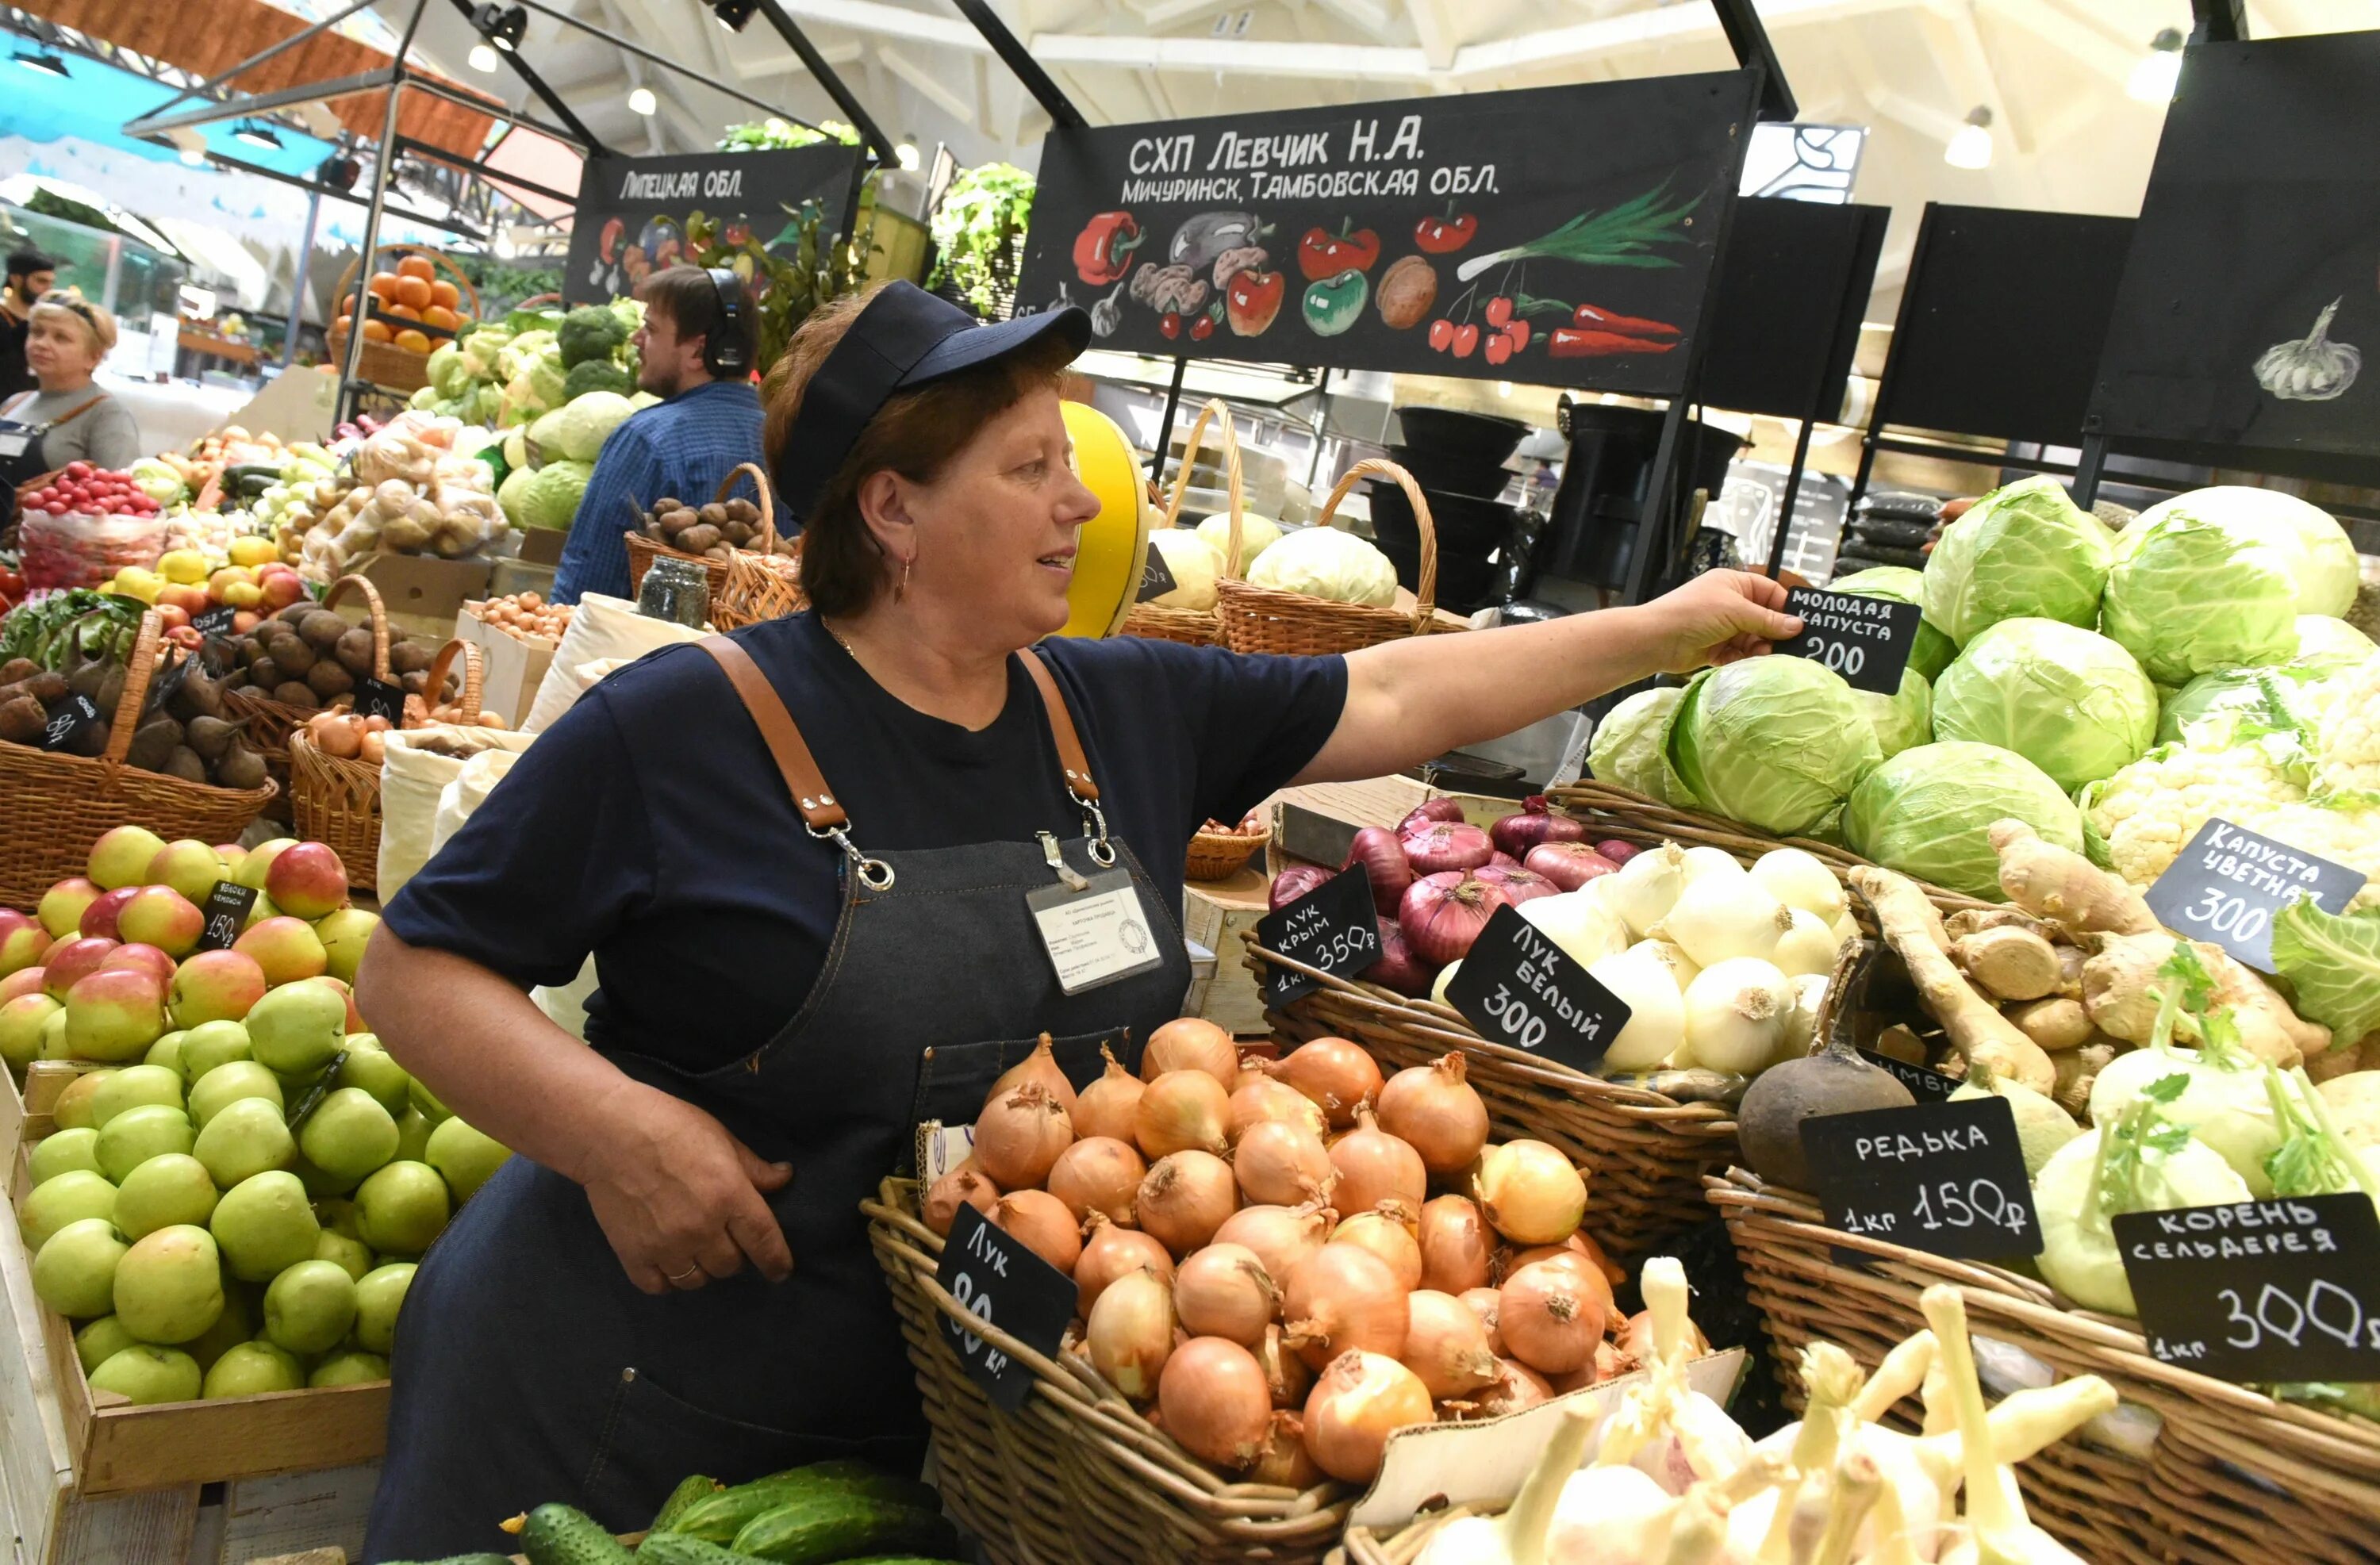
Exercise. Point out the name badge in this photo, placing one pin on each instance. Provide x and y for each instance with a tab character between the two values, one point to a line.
1096	935
14	444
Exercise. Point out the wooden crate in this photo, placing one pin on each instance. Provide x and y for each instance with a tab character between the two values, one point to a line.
1376	801
1213	914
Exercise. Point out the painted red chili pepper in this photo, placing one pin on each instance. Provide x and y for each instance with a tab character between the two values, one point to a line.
1593	320
1103	249
1322	255
1444	235
1568	341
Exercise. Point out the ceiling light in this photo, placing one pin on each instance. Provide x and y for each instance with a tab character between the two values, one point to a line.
734	14
642	101
194	157
482	57
256	135
1971	147
2159	71
905	155
500	26
41	60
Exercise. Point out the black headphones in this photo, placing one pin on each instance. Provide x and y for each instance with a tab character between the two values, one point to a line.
727	351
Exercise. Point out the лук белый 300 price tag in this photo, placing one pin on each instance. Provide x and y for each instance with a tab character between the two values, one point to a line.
1000	1281
2228	884
2281	1290
1521	989
1334	927
1946	1177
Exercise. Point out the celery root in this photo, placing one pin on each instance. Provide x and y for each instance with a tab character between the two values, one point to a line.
1980	1032
2065	888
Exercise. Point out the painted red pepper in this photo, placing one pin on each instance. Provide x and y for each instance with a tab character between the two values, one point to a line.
1444	235
1251	299
1589	317
1322	255
1103	249
1570	342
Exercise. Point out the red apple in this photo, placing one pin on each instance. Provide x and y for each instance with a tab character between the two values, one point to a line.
189	867
163	917
189	599
69	962
306	882
62	905
346	992
100	917
287	949
172	616
122	856
280	587
215	986
115	1013
141	958
23	981
22	941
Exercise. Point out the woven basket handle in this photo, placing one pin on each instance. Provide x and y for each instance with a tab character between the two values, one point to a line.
1427	581
768	506
1230	439
147	646
434	683
379	616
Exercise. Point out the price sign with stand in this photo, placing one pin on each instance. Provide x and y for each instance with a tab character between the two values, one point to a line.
1945	1178
2281	1290
1868	640
377	698
1926	1087
1334	927
1521	989
2226	884
306	1106
226	913
216	620
1156	580
999	1280
70	722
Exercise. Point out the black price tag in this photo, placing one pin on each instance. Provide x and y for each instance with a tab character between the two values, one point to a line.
1945	1178
215	621
1926	1087
1868	640
999	1280
2226	884
1156	581
1334	927
316	1092
377	698
1521	989
2281	1290
70	724
227	908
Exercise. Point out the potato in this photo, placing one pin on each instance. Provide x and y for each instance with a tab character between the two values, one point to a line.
1407	290
292	693
714	515
322	629
698	540
327	679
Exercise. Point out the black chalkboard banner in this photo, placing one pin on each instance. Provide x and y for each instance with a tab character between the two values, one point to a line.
216	620
1334	927
633	212
1926	1087
1868	640
1521	989
2228	884
1945	1178
226	913
1001	1283
1450	236
2281	1290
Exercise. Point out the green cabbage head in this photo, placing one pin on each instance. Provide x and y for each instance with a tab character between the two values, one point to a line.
2325	644
2271	696
2190	594
1929	812
1904	718
512	495
2321	558
1626	751
550	499
2071	701
2023	551
1899	584
1774	741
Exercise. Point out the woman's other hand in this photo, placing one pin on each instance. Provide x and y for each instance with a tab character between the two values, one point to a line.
681	1200
1719	617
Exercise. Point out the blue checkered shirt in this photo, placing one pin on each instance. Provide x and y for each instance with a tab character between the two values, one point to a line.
680	448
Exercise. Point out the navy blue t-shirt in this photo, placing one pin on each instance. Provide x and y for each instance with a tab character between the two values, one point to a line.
651	827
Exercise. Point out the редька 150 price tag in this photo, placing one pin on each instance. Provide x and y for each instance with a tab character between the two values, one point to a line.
2281	1290
2228	884
1946	1177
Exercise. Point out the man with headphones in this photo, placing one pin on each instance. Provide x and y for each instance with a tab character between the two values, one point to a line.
695	352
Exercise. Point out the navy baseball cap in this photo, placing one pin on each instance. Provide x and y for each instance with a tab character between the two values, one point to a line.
904	339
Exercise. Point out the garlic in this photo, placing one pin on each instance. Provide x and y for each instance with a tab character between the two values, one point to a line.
2311	369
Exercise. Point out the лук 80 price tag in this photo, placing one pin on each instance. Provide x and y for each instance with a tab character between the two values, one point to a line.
1156	579
2228	884
2281	1290
377	698
999	1280
1946	1177
1521	989
1868	640
1334	927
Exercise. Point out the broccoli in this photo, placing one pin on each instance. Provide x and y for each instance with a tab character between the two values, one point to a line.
588	333
596	374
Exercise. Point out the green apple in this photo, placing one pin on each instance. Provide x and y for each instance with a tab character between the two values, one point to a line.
310	1307
264	1224
167	1051
250	871
75	1272
380	1295
132	1088
245	1139
371	1068
464	1157
145	1374
211	1044
72	1110
348	1135
427	1101
169	1285
235	1325
349	1369
98	1341
403	1208
69	1197
352	1255
173	1188
249	1369
343	933
61	1151
412	1128
320	1186
137	1135
298	1027
228	1084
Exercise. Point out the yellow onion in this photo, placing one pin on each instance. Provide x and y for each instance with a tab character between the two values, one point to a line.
1107	1106
1191	1043
1335	1075
1098	1173
1360	1400
1130	1331
1280	1237
1213	1396
1282	1162
1635	1339
1258	1098
1343	1297
1374	1166
1516	1389
1222	1290
1110	1250
1456	1248
1019	1135
962	1186
1609	1363
1446	1345
1182	1110
1530	1193
1550	1318
1185	1197
1578	1249
1485	1302
1387	1231
1437	1112
1284	1462
1042	1223
1285	1373
1041	1066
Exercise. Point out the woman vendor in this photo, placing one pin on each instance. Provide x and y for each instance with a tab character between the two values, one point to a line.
801	857
66	418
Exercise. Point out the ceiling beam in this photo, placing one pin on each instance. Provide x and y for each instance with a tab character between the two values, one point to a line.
1433	30
927	84
1663	26
1370	16
2085	42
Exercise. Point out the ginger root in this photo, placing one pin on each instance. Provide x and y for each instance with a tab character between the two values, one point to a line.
2056	1022
2078	1072
2063	887
2008	963
1975	920
1979	1032
2120	986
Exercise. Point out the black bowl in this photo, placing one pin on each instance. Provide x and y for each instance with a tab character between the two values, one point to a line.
1468	527
1464	586
1473	437
1435	470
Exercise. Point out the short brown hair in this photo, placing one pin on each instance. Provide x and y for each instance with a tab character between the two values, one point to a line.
688	297
913	434
96	322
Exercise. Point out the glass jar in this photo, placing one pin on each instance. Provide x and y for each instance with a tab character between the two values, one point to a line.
676	591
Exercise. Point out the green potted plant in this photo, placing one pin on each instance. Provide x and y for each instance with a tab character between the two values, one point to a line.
978	234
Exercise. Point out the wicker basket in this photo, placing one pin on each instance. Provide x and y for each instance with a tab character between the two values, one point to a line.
385	364
761	584
335	799
1219	855
643	551
1075	1476
271	723
1197	627
54	805
1257	619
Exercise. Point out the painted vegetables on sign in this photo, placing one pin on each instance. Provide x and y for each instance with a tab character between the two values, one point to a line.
1333	304
1103	249
1323	256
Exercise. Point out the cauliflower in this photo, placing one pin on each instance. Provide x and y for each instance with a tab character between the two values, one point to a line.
2138	819
2351	731
2343	828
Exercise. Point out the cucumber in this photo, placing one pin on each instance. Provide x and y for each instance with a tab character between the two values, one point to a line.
828	1528
676	1548
688	1490
718	1518
460	1559
558	1534
900	1560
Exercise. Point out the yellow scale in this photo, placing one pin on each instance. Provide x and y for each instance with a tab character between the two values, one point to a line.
1114	544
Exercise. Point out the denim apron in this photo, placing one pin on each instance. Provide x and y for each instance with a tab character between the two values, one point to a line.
528	1368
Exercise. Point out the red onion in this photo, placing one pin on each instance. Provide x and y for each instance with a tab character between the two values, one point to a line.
1568	865
1516	834
1377	850
1500	859
1454	845
1428	813
1293	883
1398	969
1519	885
1443	913
1617	851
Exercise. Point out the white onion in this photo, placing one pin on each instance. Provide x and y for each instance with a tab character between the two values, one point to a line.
1801	1021
1682	966
1656	1009
1846	931
1703	864
1586	929
1799	878
1446	975
1641	893
1717	919
1807	946
1735	1015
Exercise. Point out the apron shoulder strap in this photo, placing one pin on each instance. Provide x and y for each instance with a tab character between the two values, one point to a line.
16	402
1062	728
70	417
800	768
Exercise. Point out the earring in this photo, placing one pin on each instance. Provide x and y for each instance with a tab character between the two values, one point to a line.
901	587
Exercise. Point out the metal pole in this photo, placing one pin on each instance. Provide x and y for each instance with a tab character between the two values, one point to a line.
816	63
1749	39
298	281
1165	423
2087	468
383	165
214	84
1321	423
1792	490
1019	59
1912	282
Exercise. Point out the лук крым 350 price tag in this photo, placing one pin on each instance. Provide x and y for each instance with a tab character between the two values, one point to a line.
1334	927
